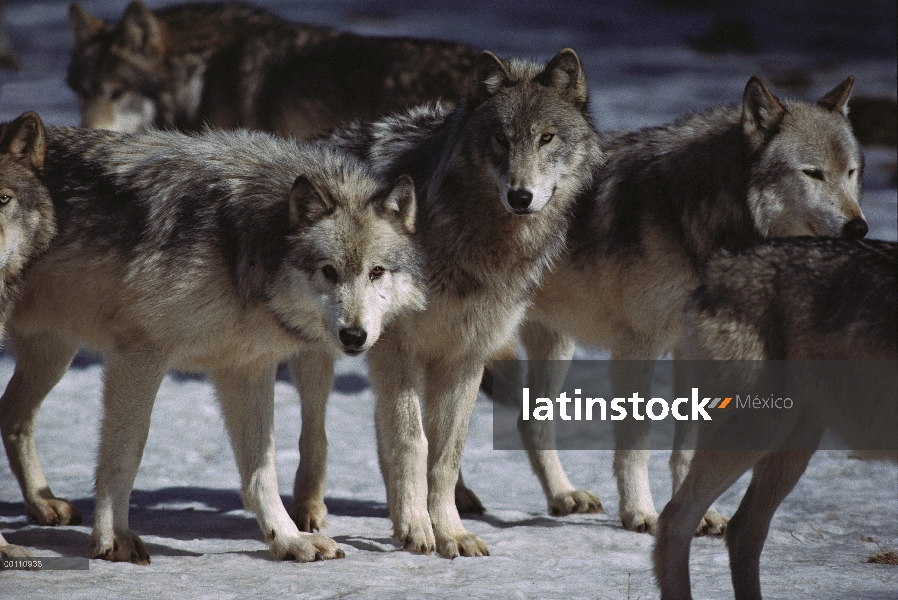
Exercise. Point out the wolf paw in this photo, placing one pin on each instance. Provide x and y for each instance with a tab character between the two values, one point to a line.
575	501
53	511
464	544
308	514
305	548
467	501
416	536
126	546
640	521
714	523
10	551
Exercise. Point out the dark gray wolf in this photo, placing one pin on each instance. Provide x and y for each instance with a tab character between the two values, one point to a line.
497	179
667	199
231	65
222	253
26	219
802	298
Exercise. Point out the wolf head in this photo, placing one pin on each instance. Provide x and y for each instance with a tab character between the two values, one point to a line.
530	121
118	71
26	211
351	248
806	175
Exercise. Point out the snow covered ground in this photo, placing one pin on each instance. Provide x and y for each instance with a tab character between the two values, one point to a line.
186	504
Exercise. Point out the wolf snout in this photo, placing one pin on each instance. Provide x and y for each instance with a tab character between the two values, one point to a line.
855	229
353	338
519	199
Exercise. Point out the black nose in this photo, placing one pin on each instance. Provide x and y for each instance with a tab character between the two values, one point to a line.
855	229
519	199
353	337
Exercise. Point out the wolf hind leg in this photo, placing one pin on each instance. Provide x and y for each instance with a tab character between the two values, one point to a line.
41	361
313	372
550	354
8	550
710	474
247	404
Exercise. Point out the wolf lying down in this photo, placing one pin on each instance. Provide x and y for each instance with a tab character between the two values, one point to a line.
223	253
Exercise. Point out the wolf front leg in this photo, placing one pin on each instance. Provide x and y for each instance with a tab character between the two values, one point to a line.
41	361
631	456
313	372
449	397
549	354
401	445
132	381
247	403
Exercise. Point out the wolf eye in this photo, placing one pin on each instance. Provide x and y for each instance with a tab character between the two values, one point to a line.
330	273
546	138
501	139
376	273
813	173
5	198
116	94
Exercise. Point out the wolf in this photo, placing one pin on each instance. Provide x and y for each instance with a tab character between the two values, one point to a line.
27	222
230	65
223	253
817	299
668	198
497	179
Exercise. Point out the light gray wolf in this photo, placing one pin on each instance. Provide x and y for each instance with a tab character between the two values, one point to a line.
230	65
26	219
223	253
497	179
668	198
795	299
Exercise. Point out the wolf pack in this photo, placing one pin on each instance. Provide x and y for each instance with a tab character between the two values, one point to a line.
247	191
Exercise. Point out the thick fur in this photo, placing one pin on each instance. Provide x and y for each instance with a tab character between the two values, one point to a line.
222	253
668	198
26	219
796	299
231	65
497	179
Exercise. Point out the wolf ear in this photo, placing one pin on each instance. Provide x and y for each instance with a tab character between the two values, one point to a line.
24	140
141	31
82	24
307	203
837	98
488	76
399	203
761	111
565	73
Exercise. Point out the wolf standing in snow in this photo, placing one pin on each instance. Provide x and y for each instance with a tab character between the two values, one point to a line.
26	219
222	253
804	299
497	179
231	65
668	198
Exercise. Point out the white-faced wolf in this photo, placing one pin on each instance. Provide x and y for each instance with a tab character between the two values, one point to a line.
497	179
222	253
231	65
797	299
668	198
26	219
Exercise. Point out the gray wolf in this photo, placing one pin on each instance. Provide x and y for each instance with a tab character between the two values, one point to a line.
26	219
796	299
668	198
230	65
497	179
223	253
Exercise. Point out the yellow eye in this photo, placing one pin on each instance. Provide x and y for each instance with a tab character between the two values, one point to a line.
546	138
376	273
5	198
